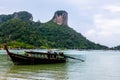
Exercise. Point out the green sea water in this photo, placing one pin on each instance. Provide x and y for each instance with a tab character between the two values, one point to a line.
98	65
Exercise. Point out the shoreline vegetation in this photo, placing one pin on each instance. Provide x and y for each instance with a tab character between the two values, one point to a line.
54	49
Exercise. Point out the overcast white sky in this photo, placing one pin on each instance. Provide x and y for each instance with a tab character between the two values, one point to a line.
97	20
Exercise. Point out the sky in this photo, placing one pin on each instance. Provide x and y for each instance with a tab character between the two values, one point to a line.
97	20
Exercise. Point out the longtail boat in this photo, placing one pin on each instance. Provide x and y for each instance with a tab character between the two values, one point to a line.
31	58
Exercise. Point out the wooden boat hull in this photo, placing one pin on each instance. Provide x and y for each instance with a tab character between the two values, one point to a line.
35	57
38	57
26	60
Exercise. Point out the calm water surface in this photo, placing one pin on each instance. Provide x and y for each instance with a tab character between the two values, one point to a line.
98	65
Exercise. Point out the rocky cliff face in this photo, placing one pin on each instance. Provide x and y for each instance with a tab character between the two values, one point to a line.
60	17
23	15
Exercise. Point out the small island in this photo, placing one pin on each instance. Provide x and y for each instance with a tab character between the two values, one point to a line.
19	30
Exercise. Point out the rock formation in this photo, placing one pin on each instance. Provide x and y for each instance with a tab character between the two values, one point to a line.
60	17
23	15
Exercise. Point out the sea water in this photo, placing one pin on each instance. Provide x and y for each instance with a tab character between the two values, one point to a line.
98	65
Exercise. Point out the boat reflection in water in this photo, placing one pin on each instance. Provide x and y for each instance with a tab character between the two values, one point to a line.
33	72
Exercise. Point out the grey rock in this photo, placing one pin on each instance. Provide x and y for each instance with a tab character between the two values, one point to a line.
60	17
23	15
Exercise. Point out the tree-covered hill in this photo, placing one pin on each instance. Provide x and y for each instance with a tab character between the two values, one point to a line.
19	33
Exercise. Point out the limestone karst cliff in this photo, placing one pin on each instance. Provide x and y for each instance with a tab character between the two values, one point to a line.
60	17
23	15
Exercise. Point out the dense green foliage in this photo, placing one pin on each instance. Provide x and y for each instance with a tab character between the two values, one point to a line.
18	33
116	48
